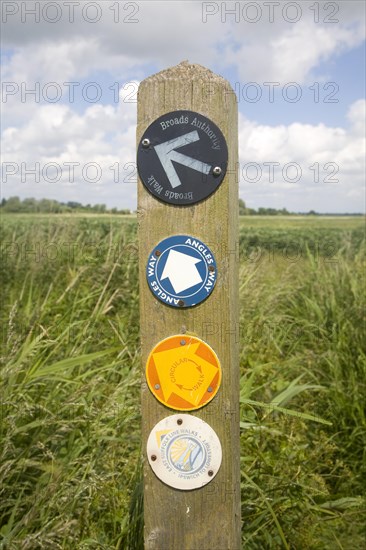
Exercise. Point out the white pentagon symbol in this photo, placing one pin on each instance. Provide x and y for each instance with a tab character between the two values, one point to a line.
181	270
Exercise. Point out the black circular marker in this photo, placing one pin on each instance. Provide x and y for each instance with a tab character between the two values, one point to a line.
182	158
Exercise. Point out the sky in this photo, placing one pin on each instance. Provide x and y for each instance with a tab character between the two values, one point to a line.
71	70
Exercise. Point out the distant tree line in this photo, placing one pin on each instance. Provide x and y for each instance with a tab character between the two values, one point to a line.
245	211
50	206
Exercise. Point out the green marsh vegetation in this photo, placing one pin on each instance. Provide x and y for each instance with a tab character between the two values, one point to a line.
70	472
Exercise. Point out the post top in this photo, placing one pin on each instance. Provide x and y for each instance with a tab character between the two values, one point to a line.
190	71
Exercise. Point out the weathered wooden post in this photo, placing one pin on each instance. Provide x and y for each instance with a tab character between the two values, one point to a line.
188	223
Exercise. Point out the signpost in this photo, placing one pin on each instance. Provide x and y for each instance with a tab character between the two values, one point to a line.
188	258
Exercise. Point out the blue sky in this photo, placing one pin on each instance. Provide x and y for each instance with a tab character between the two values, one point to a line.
317	57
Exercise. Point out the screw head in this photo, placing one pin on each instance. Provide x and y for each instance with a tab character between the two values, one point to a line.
211	268
145	143
180	303
157	386
153	458
217	171
179	421
210	473
182	342
210	389
157	253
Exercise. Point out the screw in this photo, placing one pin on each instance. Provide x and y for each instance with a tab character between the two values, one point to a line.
210	473
179	421
180	303
209	389
217	171
153	458
182	342
211	268
157	386
157	253
145	143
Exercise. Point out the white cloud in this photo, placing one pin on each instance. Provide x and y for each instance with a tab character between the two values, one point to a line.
291	53
303	166
41	53
160	32
164	33
357	116
76	148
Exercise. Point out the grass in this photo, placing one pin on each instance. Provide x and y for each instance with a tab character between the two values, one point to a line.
304	319
70	471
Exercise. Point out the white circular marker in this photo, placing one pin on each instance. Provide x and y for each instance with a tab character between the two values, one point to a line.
184	452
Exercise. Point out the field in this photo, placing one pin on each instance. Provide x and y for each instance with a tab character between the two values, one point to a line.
70	468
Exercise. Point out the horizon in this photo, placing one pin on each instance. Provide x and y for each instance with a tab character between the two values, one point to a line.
108	210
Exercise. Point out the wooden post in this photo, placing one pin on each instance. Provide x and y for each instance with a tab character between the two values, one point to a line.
208	517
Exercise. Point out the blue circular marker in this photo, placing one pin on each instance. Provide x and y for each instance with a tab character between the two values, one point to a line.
181	271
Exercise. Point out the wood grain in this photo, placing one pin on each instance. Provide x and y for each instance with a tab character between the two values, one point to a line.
208	517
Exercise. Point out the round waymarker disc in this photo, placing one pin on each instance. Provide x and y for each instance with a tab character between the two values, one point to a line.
182	157
183	372
181	271
184	452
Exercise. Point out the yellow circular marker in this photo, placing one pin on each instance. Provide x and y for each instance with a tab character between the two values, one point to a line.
183	372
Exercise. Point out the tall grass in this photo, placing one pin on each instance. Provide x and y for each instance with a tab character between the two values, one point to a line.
303	346
70	471
70	379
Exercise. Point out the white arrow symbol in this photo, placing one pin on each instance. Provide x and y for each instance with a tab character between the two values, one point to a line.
166	153
181	270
